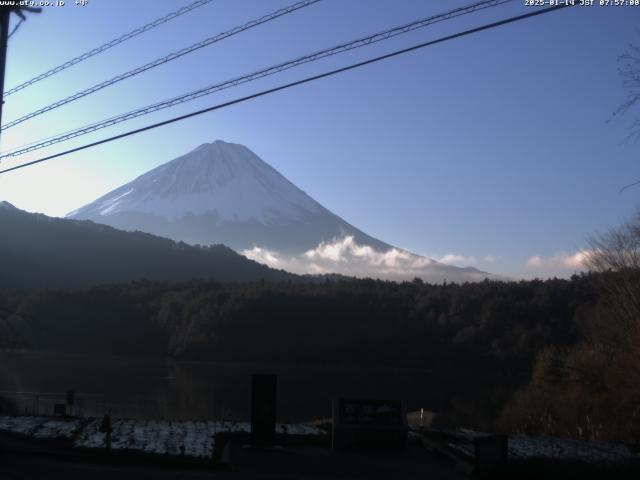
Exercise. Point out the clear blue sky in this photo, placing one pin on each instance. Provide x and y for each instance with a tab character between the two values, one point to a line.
493	149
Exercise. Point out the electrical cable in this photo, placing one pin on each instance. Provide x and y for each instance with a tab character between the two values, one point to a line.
344	47
293	84
159	21
161	61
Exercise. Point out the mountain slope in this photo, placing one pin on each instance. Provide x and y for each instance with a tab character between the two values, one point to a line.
224	193
38	251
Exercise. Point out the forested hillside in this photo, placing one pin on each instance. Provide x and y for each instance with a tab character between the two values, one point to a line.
37	251
555	344
338	321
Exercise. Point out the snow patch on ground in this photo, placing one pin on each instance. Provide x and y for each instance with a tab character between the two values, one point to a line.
526	447
42	427
161	437
193	439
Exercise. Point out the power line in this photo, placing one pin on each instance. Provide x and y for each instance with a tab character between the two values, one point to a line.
293	84
629	186
344	47
163	60
5	15
127	36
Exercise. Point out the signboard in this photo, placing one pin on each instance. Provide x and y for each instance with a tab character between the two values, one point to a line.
71	397
369	423
370	412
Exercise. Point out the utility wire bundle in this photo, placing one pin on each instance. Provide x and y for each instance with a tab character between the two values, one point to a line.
344	47
106	46
162	60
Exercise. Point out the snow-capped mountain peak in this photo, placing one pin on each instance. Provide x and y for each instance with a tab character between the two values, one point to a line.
224	193
223	179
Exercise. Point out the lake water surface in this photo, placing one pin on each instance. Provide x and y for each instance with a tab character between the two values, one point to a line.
154	388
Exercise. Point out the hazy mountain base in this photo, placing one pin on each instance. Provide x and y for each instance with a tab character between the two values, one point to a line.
44	252
291	237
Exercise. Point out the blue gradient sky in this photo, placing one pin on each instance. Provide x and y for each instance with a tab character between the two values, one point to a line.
492	150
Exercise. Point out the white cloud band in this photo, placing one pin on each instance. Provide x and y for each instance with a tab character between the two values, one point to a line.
345	256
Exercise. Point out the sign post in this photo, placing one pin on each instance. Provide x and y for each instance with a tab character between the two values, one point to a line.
105	427
263	409
71	398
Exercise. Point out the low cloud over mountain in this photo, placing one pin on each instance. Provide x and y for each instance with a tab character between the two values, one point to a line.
345	256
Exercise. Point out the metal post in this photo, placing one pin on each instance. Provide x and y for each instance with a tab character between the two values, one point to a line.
5	12
263	409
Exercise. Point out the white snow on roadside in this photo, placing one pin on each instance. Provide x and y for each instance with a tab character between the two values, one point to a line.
160	437
298	429
42	427
531	447
58	429
90	437
24	425
528	447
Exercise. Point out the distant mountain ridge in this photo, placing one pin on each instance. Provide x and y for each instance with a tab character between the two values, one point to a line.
37	251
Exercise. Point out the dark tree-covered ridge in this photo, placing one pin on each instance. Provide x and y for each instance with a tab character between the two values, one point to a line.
37	251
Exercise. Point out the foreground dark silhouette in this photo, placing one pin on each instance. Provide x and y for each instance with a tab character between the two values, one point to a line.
491	334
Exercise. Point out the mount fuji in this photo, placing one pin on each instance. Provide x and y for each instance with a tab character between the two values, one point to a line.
224	193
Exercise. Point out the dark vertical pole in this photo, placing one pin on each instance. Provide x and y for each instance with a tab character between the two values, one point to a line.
263	409
5	12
